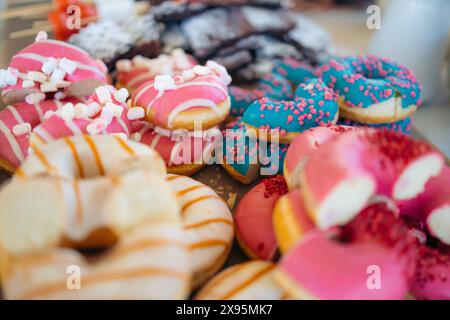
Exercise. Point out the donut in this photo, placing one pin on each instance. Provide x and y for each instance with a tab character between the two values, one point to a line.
426	267
151	261
314	104
372	89
294	70
432	206
85	192
245	158
131	74
208	225
290	220
105	112
50	66
253	218
252	280
179	149
363	163
320	267
270	85
303	146
199	95
403	126
16	123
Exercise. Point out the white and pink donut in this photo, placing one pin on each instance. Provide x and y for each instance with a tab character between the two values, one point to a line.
432	207
50	66
199	95
131	74
105	112
16	124
360	164
303	146
184	152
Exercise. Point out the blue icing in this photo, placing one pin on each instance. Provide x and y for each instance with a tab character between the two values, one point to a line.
295	71
403	126
271	85
249	152
366	80
314	104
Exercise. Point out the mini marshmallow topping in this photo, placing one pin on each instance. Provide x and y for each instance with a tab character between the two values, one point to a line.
135	113
164	82
20	129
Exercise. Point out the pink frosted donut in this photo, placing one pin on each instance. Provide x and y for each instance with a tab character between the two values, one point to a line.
432	206
105	112
16	123
184	152
363	163
49	66
322	268
303	146
131	74
253	218
198	95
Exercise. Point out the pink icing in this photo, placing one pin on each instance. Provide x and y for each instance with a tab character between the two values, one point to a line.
32	114
56	127
200	92
254	218
167	146
307	142
87	68
327	269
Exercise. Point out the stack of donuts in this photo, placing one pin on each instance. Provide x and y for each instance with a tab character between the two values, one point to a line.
182	115
103	208
361	213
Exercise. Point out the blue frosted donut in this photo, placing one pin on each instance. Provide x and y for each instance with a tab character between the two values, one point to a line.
371	89
270	85
314	104
403	126
245	164
294	70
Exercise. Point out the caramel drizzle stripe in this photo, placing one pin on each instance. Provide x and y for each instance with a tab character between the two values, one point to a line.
20	173
184	191
197	200
43	159
142	245
78	206
208	243
76	156
248	282
106	277
94	150
124	145
222	277
207	222
171	178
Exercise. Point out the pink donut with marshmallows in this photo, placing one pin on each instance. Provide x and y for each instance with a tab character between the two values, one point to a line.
50	66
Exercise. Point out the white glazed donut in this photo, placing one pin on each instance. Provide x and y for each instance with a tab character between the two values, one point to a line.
252	280
83	191
150	262
208	223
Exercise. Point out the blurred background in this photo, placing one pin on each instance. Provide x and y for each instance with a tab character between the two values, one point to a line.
241	36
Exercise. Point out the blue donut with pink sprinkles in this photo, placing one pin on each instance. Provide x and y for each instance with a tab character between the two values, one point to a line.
294	70
372	90
313	104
